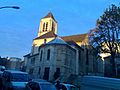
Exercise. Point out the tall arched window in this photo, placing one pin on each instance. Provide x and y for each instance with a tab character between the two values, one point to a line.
41	54
46	26
48	54
53	26
43	27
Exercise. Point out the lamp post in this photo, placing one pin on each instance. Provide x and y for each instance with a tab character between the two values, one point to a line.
14	7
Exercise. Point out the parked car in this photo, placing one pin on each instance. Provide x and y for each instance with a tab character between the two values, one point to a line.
70	86
39	84
2	68
100	83
63	86
1	73
14	80
1	84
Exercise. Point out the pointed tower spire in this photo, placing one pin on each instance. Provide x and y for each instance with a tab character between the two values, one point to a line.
49	15
47	24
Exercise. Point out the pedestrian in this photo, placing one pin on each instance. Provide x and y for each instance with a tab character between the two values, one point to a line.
58	86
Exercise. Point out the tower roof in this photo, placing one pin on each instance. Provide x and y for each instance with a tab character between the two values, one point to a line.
57	40
50	15
47	35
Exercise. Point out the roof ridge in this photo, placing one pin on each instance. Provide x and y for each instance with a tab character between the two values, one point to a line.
78	37
74	35
57	38
51	33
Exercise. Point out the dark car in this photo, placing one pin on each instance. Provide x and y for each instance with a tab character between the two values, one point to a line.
1	84
39	84
14	80
1	73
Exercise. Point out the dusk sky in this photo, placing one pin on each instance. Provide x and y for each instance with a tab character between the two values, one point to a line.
18	28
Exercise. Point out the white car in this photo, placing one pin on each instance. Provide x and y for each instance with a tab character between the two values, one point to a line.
14	80
64	86
2	68
39	84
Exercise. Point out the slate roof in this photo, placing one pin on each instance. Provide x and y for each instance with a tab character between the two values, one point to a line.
74	44
47	35
57	40
75	38
50	15
27	55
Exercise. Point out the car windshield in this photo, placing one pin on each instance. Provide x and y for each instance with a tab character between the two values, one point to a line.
18	77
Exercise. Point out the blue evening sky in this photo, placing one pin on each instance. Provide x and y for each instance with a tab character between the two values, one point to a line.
18	28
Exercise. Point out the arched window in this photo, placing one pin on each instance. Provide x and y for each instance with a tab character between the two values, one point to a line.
48	54
43	27
41	54
46	26
53	26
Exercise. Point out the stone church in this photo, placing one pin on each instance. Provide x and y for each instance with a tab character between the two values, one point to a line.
53	57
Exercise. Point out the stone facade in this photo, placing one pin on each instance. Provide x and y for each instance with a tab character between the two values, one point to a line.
53	57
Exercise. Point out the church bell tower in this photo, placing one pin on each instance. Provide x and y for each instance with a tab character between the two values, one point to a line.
47	24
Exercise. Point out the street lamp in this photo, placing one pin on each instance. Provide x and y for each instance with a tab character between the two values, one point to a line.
14	7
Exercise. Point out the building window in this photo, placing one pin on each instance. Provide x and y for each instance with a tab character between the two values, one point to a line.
32	60
31	71
43	27
66	60
39	70
46	73
46	26
48	54
57	73
53	29
79	54
41	53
